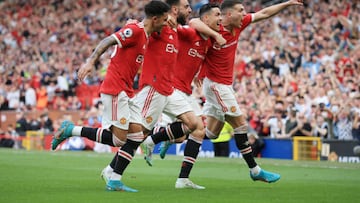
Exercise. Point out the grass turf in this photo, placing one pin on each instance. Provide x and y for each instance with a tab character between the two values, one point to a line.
32	176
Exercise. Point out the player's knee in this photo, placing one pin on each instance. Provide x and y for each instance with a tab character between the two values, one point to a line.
198	134
192	126
136	137
180	139
210	134
242	129
117	142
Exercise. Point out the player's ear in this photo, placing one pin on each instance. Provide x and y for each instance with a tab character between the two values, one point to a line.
174	9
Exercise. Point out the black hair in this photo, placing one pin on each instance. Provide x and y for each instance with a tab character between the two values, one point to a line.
172	2
156	8
206	8
229	4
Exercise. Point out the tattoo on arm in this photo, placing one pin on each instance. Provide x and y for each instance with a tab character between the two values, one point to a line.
102	47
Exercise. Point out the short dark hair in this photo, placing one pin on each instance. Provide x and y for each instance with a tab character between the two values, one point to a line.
229	4
156	8
172	2
206	8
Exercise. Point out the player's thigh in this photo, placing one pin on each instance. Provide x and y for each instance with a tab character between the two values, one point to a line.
195	106
178	106
135	117
152	104
220	101
236	121
116	111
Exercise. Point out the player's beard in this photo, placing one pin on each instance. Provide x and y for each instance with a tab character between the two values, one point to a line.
181	19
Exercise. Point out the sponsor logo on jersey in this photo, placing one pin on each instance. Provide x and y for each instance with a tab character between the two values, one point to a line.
171	37
171	48
197	44
194	53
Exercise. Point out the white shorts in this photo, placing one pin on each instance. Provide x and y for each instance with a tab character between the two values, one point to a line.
165	119
154	104
220	100
119	111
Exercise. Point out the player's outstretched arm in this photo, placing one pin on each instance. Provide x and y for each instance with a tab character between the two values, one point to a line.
201	27
274	9
86	68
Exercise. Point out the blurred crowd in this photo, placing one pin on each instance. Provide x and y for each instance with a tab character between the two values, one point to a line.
295	74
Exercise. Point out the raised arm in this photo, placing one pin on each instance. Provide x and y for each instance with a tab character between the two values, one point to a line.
99	50
274	9
201	27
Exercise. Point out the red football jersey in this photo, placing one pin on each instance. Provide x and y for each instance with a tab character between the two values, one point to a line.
160	59
192	50
219	61
126	60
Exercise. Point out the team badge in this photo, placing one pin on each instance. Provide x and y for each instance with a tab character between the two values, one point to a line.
149	119
128	32
233	109
123	121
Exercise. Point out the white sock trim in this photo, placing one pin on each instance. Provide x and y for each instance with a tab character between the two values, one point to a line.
76	131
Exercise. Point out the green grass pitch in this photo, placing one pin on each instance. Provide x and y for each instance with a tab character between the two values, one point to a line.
32	176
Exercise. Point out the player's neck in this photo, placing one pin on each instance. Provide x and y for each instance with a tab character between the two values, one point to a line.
228	27
147	26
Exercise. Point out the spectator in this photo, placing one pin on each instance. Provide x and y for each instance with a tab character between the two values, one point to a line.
343	125
13	96
256	143
291	123
303	127
46	123
47	49
320	127
276	124
356	126
42	98
6	138
30	96
22	123
3	103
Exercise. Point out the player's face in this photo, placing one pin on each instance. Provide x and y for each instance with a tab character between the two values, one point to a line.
237	14
184	11
214	19
159	22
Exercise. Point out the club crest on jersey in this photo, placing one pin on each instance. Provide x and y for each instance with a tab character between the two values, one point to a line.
128	32
122	121
233	109
148	119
